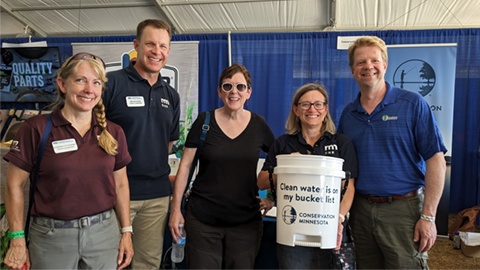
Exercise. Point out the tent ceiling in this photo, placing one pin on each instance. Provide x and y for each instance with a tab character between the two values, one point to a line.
54	18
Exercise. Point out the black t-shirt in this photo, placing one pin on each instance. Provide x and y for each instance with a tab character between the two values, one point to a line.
332	145
225	189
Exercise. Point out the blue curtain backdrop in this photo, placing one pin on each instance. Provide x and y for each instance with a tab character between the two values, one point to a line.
281	62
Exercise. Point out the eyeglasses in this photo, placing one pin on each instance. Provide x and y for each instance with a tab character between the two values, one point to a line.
227	87
306	105
84	55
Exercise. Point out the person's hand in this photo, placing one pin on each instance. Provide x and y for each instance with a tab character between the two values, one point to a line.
17	255
265	205
339	234
125	251
176	218
426	233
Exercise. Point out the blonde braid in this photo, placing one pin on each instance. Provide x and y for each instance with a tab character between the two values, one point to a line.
105	140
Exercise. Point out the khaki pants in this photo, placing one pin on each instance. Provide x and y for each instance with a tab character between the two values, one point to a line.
148	220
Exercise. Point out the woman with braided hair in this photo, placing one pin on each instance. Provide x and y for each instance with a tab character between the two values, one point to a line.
82	193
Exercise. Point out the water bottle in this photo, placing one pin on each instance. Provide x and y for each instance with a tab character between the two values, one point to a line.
178	248
456	240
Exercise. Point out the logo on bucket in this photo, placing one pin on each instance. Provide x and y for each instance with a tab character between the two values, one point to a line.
308	199
289	214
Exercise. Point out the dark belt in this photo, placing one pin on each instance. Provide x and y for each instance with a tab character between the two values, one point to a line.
389	199
74	223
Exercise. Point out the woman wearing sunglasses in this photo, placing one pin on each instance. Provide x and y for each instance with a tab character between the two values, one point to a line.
311	131
223	219
82	186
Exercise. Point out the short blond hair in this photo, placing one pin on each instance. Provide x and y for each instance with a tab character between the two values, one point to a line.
366	42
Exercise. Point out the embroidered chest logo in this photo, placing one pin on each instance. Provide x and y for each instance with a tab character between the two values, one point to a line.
389	118
165	103
331	149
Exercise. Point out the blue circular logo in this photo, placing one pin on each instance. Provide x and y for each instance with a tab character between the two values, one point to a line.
415	75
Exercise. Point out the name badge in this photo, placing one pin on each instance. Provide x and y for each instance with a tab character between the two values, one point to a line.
63	146
135	101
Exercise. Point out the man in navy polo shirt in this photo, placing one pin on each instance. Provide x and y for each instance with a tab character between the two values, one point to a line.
148	109
401	165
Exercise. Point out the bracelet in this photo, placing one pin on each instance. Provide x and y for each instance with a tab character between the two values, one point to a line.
341	217
427	218
127	229
17	234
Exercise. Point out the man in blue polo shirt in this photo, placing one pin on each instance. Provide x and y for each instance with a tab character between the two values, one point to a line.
148	110
401	165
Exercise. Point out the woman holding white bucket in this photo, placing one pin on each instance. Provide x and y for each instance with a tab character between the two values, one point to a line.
310	131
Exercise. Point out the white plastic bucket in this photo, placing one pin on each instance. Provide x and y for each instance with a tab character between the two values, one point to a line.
308	200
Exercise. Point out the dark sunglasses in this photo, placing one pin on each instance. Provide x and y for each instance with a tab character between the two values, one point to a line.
84	55
227	87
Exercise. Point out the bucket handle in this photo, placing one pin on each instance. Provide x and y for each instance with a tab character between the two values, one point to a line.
347	180
307	244
272	185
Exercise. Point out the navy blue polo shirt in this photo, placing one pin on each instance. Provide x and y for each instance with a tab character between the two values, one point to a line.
149	115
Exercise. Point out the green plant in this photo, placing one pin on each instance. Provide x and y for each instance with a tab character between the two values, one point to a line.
185	126
3	232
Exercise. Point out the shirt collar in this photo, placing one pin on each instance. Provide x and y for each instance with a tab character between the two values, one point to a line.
133	74
389	98
59	120
326	134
